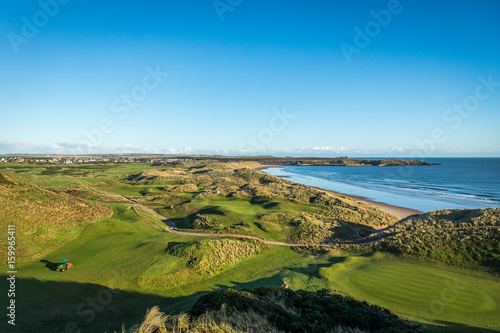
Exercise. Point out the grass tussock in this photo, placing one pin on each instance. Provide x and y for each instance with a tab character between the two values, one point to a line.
211	321
222	321
211	256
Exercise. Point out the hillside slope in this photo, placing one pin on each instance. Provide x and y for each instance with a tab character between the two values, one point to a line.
44	220
462	238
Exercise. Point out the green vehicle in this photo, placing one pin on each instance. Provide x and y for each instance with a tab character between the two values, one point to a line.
63	265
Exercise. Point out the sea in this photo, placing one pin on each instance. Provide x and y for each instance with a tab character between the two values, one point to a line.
457	183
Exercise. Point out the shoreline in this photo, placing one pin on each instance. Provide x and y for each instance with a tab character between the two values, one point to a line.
262	167
400	212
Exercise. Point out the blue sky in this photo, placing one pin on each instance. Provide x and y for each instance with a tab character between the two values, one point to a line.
251	77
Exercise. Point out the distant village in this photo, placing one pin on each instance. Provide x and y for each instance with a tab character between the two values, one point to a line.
162	159
80	159
169	159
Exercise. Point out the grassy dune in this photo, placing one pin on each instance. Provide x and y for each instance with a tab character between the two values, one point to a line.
198	261
44	220
461	238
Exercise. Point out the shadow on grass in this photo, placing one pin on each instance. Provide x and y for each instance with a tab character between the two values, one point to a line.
50	265
172	245
60	306
312	270
55	306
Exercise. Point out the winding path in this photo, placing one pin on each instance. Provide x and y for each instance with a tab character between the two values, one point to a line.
171	228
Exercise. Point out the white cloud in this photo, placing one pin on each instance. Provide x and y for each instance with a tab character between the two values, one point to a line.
18	147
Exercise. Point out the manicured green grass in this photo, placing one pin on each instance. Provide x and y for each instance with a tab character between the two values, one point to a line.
418	291
127	189
403	285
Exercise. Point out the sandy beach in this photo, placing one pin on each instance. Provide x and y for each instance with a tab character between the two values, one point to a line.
262	167
401	212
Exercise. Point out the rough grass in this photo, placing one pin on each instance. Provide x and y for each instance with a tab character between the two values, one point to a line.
466	248
303	311
449	218
460	238
188	263
214	255
44	220
86	190
222	320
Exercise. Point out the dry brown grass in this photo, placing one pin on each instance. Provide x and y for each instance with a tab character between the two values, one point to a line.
222	321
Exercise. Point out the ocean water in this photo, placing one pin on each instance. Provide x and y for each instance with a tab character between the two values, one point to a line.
457	183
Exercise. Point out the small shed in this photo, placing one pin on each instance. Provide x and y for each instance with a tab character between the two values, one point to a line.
218	190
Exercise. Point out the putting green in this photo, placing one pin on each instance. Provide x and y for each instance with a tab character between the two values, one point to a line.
421	289
418	291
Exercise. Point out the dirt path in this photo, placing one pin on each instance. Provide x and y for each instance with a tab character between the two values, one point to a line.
171	228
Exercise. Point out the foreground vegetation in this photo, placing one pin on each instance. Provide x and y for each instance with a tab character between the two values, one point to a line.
277	310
